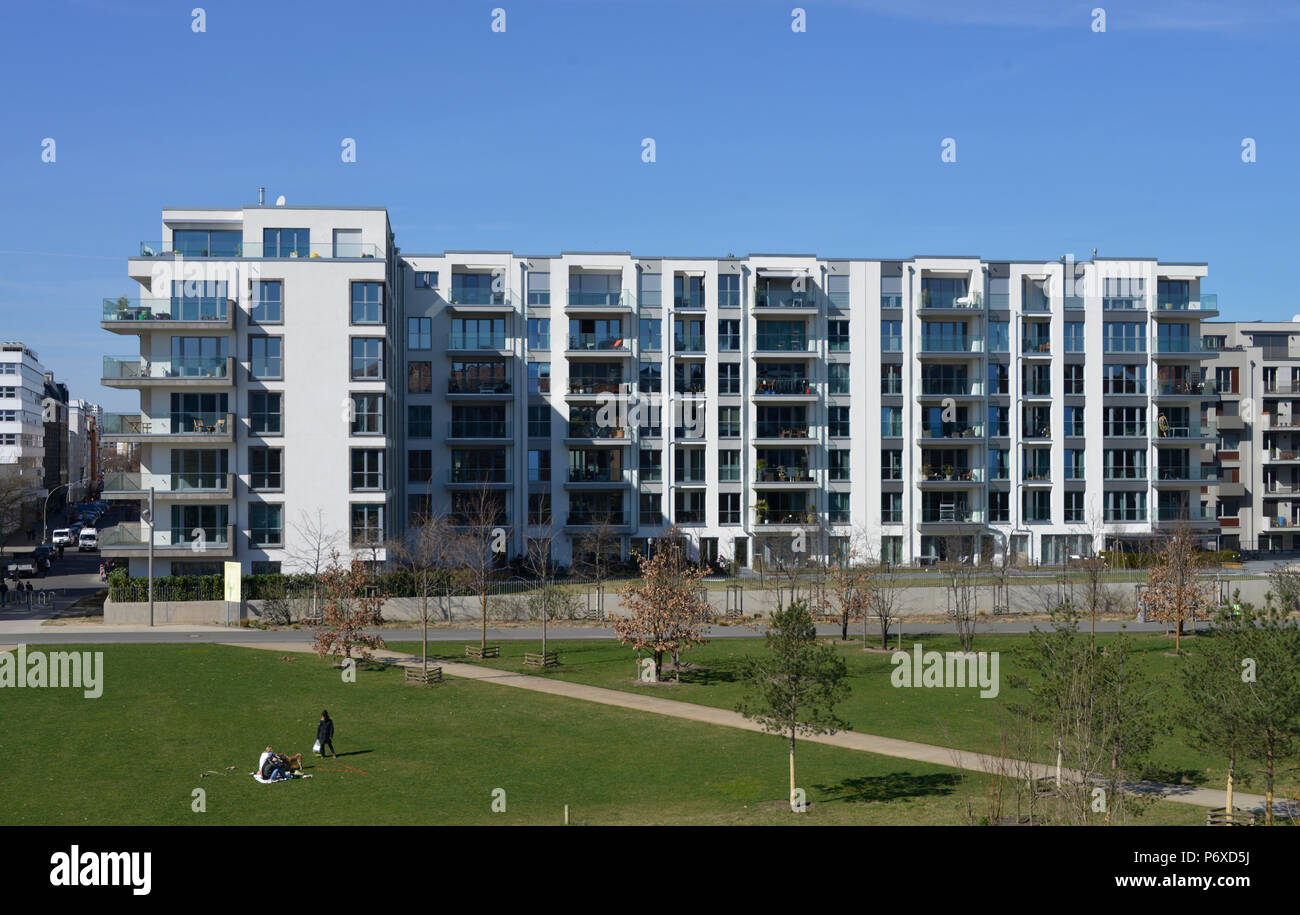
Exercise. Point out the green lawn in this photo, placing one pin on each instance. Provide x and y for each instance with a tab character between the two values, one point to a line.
422	755
947	717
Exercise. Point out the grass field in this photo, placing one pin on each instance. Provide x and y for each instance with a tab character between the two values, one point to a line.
416	755
947	717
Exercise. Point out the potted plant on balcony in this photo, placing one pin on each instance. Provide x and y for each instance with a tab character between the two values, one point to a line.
926	472
760	511
947	471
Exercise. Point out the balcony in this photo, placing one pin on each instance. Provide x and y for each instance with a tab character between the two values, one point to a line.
952	514
1164	430
478	476
966	303
786	301
779	433
784	388
597	475
479	429
949	477
1282	523
481	301
1184	474
255	249
1036	347
788	476
591	519
782	519
132	539
579	388
138	316
473	387
1283	390
1184	388
951	388
1207	306
951	431
136	372
1182	348
617	302
770	345
586	430
177	428
1124	430
584	345
1281	456
1124	303
494	343
1274	422
1174	514
1276	490
189	486
937	348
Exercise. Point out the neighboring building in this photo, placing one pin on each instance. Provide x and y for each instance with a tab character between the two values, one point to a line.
54	413
924	408
22	430
83	417
1256	378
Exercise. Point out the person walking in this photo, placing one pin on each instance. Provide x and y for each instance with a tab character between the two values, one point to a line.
29	595
4	593
103	573
325	734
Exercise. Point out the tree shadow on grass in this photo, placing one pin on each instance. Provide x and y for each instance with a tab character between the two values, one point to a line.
889	787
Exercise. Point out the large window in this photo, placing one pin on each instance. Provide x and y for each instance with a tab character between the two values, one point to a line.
266	468
728	378
266	524
539	378
539	421
207	243
367	524
266	358
419	333
268	302
367	358
367	469
729	422
891	336
728	335
367	414
264	413
652	334
838	421
539	288
419	377
839	377
367	303
728	508
728	290
286	243
419	466
419	421
539	333
729	465
1124	337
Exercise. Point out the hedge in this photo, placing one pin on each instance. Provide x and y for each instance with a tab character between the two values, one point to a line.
1142	560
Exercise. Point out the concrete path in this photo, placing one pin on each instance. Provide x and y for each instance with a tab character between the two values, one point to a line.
849	740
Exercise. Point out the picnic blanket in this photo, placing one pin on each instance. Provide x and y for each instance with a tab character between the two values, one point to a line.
271	781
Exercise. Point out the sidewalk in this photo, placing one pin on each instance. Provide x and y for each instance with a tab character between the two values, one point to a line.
850	740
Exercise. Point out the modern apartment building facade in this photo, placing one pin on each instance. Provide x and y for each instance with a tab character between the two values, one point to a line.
912	408
1256	377
22	427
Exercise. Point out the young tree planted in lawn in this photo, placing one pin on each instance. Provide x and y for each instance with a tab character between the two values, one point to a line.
794	688
961	580
349	604
666	611
848	592
1125	718
480	540
541	567
884	597
310	549
1269	664
1175	590
426	554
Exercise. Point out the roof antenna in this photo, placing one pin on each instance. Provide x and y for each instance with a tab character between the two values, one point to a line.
261	196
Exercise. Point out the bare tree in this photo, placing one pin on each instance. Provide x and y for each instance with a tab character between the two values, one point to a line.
884	597
1174	588
310	550
540	565
425	553
16	493
478	517
961	580
595	546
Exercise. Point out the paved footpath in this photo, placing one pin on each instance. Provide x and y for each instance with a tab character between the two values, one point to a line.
850	740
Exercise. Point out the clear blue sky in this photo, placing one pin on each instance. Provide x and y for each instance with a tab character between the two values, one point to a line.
824	142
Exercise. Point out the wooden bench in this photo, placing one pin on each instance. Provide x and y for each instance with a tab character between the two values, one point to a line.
478	653
417	675
537	659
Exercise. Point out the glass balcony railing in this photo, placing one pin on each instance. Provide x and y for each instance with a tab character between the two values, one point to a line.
478	296
1192	473
1176	428
774	343
952	514
783	430
689	302
951	474
611	386
608	299
788	387
592	429
204	308
589	518
1037	304
1124	430
934	344
952	430
1182	513
1179	345
891	300
597	343
471	341
1123	345
1207	302
167	482
461	383
1124	303
786	473
595	474
785	298
1074	301
136	536
688	344
764	516
478	428
119	368
257	249
478	474
931	299
1188	386
951	388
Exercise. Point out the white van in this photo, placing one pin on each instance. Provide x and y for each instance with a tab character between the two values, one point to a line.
62	537
88	540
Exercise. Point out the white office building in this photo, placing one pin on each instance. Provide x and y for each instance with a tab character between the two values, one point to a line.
22	428
293	362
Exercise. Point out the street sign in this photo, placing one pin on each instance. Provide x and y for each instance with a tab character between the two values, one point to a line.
233	580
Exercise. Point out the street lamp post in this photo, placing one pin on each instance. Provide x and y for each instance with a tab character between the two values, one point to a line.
46	509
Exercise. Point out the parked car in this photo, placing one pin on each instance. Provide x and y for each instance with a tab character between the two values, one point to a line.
22	565
88	540
63	537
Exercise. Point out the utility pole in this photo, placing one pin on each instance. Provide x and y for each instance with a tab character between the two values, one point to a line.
150	522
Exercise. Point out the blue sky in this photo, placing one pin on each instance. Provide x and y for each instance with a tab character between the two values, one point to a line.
824	142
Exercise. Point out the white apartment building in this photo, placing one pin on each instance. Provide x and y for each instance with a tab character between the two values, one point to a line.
915	408
22	428
1256	379
83	416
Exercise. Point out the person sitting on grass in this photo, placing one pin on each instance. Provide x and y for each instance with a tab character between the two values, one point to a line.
274	767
